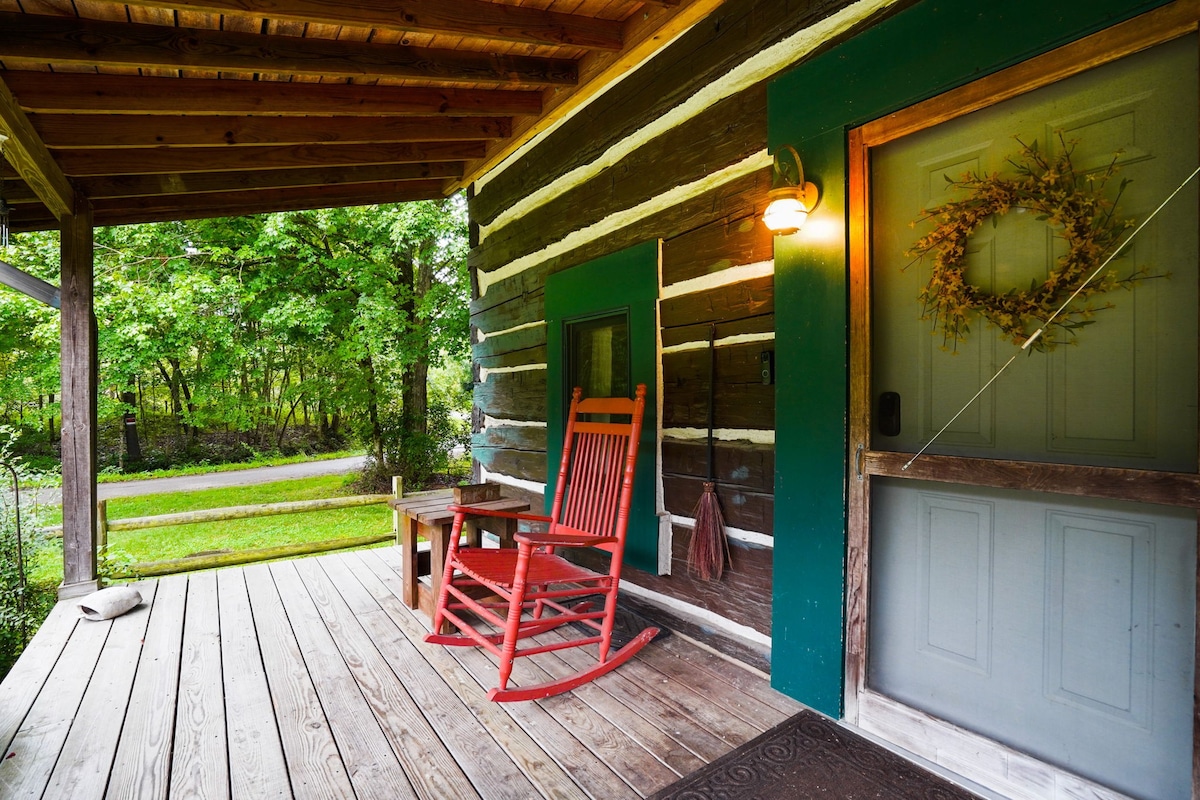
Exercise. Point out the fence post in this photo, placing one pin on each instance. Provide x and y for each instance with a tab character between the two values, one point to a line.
397	493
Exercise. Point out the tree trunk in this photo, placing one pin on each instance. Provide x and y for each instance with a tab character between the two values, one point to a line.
133	447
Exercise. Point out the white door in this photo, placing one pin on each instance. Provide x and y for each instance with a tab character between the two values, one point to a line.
1058	625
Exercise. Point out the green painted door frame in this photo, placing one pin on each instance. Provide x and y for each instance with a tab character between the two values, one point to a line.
916	54
626	281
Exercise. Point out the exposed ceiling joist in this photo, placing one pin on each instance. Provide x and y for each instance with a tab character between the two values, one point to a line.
207	182
75	93
66	131
69	40
124	211
472	18
158	160
25	152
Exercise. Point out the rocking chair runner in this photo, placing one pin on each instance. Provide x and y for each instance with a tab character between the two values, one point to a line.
590	509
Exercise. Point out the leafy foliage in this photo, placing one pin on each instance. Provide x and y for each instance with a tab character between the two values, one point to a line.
23	604
254	327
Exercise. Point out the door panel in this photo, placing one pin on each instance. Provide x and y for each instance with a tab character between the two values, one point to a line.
1123	393
1058	626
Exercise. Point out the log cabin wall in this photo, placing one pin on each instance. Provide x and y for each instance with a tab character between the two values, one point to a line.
676	151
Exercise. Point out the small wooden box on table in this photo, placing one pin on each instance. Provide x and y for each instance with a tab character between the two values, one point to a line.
425	516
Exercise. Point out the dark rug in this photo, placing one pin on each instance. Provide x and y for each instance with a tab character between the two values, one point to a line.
626	623
810	756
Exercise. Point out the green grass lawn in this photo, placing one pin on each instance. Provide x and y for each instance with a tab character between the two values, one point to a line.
178	541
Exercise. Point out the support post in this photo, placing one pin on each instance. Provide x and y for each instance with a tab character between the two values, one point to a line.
79	364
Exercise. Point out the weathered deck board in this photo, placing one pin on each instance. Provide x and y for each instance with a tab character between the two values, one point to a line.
86	758
200	764
253	734
311	679
29	674
141	767
313	762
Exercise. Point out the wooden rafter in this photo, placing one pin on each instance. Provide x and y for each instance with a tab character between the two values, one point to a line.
62	131
32	161
69	40
158	160
473	18
207	182
72	93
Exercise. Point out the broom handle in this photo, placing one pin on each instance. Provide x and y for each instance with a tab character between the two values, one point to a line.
712	390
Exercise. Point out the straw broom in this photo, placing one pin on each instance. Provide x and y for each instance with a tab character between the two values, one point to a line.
709	549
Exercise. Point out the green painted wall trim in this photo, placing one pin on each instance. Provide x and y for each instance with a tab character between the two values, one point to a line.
933	46
625	280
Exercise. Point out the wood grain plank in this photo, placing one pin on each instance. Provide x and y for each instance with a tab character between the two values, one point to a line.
589	771
142	764
84	94
119	131
646	701
469	18
200	756
374	769
33	162
34	750
384	584
312	757
27	677
753	688
656	741
485	763
87	756
426	760
258	770
93	42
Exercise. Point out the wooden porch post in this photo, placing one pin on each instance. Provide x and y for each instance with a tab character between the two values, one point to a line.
79	364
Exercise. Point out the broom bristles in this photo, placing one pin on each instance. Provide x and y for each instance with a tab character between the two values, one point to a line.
709	549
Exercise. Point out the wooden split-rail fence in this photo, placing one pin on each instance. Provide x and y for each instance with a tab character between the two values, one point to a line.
147	569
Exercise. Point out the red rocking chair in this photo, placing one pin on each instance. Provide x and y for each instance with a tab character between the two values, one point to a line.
533	583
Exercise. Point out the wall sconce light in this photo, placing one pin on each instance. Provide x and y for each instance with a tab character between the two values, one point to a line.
792	198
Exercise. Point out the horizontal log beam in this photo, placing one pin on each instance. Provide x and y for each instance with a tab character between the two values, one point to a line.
28	155
69	40
156	161
202	182
473	18
138	210
70	131
73	93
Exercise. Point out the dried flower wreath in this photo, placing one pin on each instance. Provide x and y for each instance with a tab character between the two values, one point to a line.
1066	199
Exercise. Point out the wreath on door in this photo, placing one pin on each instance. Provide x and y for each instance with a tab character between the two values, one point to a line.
1073	203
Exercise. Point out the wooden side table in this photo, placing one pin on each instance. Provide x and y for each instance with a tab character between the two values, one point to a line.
425	515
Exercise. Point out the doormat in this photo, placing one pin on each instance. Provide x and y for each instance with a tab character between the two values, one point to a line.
627	624
810	756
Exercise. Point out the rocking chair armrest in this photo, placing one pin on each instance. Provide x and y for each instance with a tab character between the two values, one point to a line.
485	512
562	540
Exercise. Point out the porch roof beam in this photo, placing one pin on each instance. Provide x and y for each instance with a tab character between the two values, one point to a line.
70	40
473	18
24	150
183	183
76	93
160	160
117	131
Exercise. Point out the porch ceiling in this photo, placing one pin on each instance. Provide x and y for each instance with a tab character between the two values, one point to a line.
159	110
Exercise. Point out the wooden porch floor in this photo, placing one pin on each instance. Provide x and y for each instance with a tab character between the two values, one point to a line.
309	679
